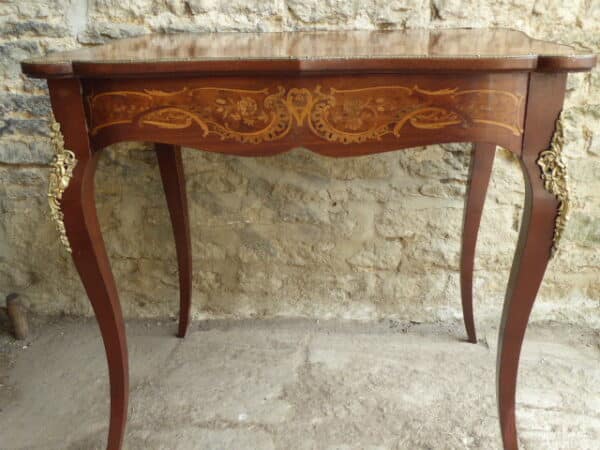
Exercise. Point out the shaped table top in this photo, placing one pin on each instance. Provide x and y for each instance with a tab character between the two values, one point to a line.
306	51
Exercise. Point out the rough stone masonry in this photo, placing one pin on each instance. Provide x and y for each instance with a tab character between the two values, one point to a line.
297	234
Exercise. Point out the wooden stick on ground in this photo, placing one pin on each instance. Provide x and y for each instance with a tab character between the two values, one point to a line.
17	315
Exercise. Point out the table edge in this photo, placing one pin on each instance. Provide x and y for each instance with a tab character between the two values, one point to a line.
400	64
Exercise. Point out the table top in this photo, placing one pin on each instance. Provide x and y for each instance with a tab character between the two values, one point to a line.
357	51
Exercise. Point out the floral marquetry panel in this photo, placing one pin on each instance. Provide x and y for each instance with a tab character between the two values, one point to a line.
311	111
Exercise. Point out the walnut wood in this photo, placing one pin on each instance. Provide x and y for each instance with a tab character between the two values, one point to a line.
173	179
310	51
89	253
338	94
482	161
545	100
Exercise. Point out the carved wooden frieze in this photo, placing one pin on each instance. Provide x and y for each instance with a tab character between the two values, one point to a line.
335	115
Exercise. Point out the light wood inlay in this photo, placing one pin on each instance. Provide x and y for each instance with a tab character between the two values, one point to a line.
335	115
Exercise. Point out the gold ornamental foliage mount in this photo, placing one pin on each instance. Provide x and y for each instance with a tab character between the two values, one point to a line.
61	171
554	175
347	116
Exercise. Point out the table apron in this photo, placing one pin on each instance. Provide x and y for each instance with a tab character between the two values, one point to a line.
336	115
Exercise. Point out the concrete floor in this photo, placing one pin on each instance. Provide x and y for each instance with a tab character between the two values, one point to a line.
297	384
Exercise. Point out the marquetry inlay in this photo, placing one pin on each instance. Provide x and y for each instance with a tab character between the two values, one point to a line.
335	115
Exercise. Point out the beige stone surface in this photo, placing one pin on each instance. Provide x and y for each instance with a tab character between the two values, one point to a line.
359	238
299	385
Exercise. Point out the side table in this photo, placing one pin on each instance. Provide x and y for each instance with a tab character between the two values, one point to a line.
336	93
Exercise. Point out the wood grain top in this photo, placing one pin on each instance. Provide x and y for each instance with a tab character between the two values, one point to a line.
305	51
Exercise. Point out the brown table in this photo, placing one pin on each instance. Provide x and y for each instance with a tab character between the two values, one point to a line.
336	93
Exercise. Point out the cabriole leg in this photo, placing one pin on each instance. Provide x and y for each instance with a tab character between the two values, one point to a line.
546	202
173	179
73	207
482	161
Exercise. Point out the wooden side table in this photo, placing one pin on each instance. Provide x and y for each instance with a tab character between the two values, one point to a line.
336	93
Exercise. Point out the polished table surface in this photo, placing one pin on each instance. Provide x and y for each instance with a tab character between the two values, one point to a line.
344	93
498	49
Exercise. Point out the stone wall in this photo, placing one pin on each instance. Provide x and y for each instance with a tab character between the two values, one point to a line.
296	234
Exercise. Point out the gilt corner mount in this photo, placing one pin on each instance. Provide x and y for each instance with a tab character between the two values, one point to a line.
554	174
61	171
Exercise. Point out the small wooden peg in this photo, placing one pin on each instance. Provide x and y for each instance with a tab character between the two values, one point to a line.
17	315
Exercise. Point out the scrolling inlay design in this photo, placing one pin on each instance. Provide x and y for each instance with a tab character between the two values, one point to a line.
340	115
61	171
554	175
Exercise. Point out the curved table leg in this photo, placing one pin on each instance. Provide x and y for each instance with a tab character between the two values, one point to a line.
482	161
535	244
173	179
93	266
530	264
89	254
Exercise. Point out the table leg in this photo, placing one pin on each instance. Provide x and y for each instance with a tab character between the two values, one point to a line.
77	205
540	217
482	161
173	179
532	256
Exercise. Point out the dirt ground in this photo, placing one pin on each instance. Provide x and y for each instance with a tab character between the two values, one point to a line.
297	384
